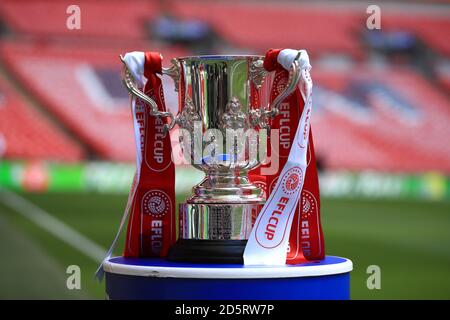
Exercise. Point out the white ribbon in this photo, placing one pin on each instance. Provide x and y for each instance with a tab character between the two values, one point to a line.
269	238
135	64
287	56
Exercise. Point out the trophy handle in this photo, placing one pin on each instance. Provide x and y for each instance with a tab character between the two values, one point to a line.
261	116
293	80
129	83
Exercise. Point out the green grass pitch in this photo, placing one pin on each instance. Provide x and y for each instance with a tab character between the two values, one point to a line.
408	240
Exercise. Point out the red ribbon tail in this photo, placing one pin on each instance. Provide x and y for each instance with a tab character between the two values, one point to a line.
151	226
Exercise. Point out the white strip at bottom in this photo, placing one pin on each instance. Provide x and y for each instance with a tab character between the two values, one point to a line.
246	272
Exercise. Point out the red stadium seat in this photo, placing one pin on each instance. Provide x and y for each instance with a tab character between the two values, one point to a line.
256	25
26	134
383	137
68	80
432	28
113	18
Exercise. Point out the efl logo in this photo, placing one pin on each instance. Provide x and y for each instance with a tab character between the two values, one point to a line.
263	186
291	180
270	231
309	205
284	124
279	83
140	122
156	203
308	212
156	157
274	220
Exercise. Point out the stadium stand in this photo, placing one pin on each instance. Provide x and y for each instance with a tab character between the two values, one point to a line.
25	133
255	25
393	119
81	86
385	117
284	25
430	28
113	19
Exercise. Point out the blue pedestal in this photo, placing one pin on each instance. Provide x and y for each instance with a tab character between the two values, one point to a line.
159	279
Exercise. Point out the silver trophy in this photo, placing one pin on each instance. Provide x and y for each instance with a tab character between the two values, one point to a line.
224	111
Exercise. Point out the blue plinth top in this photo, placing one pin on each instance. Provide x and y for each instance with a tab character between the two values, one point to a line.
161	268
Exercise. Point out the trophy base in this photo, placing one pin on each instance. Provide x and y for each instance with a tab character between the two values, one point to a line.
214	232
208	251
159	279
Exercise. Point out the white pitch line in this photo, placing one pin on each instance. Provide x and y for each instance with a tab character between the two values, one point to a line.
52	225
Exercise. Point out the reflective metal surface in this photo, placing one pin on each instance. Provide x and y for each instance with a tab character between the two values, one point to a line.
224	109
217	222
213	84
220	92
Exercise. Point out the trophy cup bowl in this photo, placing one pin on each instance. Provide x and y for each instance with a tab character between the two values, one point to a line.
224	111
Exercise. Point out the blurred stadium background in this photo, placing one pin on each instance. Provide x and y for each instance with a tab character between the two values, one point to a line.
381	124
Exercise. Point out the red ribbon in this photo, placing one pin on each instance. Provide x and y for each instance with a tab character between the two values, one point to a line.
306	239
151	228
